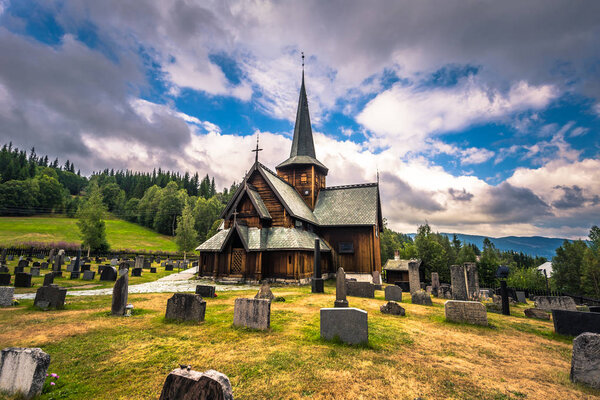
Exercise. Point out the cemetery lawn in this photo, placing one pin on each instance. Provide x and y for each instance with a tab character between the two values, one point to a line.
120	234
420	355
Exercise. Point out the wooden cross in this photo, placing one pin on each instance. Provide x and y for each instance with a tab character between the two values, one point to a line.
235	214
257	149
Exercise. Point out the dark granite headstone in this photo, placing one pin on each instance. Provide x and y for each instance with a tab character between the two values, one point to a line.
147	263
23	264
360	289
4	279
85	267
185	384
49	279
44	265
36	264
108	274
34	271
75	275
574	323
152	270
120	292
404	285
88	275
10	257
595	309
19	270
136	272
22	279
51	296
3	256
169	267
205	290
186	307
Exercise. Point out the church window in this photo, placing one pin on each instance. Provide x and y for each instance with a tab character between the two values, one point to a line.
346	248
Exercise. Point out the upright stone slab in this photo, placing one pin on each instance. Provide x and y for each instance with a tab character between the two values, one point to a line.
521	297
75	275
23	264
205	290
585	361
51	296
264	292
360	289
393	293
458	282
573	323
421	297
549	303
34	271
472	280
184	384
186	307
22	279
471	312
136	272
435	284
89	275
44	265
120	292
3	256
114	262
6	296
414	278
377	280
108	274
340	289
23	371
139	262
4	279
168	267
49	278
350	325
252	313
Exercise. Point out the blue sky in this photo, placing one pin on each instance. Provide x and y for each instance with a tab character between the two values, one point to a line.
481	118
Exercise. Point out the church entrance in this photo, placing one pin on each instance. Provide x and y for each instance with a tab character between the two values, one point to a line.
238	262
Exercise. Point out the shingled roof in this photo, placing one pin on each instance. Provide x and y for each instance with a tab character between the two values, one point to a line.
348	205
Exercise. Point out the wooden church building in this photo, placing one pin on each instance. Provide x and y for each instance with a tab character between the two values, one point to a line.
272	221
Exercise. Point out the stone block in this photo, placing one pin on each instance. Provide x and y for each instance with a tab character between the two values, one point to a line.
421	297
19	270
89	275
471	312
136	272
537	313
152	270
49	278
574	323
6	296
22	279
549	303
51	296
393	293
120	293
184	384
350	325
34	271
169	267
595	309
393	308
360	289
585	360
205	290
340	289
521	297
458	282
23	371
264	292
75	275
252	313
414	276
4	279
108	274
186	307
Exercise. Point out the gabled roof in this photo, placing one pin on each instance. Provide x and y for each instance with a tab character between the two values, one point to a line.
254	197
398	265
259	205
266	239
349	205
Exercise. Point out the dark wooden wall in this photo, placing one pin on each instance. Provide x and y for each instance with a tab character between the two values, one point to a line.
366	257
304	178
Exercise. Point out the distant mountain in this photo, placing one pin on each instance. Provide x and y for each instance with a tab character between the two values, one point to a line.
531	245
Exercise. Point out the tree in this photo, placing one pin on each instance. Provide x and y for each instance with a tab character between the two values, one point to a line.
591	264
169	208
91	223
488	264
113	196
206	212
466	254
432	254
567	266
186	237
529	278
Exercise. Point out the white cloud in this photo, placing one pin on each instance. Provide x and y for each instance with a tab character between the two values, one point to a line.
475	155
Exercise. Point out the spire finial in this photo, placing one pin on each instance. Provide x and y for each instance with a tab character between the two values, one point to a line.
257	149
302	65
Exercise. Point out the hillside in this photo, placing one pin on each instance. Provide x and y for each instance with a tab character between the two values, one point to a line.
120	234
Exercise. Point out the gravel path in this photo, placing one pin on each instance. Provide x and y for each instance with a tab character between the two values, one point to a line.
179	282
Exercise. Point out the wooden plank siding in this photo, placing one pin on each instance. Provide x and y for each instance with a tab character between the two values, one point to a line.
276	209
366	257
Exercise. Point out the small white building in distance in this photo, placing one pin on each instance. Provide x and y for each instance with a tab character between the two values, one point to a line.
547	266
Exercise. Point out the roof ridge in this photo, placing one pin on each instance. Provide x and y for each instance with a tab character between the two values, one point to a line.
356	185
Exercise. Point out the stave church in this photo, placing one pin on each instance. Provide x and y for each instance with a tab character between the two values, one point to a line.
271	222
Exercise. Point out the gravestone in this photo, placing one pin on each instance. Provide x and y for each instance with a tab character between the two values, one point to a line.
573	323
10	257
89	275
360	289
19	270
264	292
521	297
23	264
3	256
537	313
549	303
44	265
187	384
4	279
435	284
585	360
114	262
340	289
51	296
23	371
393	293
136	272
108	274
85	267
317	284
152	270
350	325
120	292
414	278
472	280
147	264
34	271
421	297
6	296
252	313
36	264
458	282
471	312
49	278
186	307
393	308
74	275
59	260
377	280
205	290
139	262
101	268
169	267
595	309
22	279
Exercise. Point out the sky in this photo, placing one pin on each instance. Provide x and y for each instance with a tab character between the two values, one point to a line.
482	117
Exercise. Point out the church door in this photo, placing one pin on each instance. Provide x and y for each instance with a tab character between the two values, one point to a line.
238	262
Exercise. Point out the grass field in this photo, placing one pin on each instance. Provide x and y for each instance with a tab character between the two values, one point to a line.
417	356
120	234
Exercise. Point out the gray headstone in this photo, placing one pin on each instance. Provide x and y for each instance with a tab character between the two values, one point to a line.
360	289
205	290
6	296
421	297
51	296
471	312
252	313
549	303
414	278
186	307
120	292
458	282
264	292
114	262
108	274
377	280
393	308
184	384
23	371
49	278
472	280
521	297
89	275
139	262
350	325
435	284
23	264
393	293
585	361
340	289
537	313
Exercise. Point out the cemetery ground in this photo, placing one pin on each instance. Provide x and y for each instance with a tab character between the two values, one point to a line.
420	355
120	234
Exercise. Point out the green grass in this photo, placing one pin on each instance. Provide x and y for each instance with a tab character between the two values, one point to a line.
120	234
